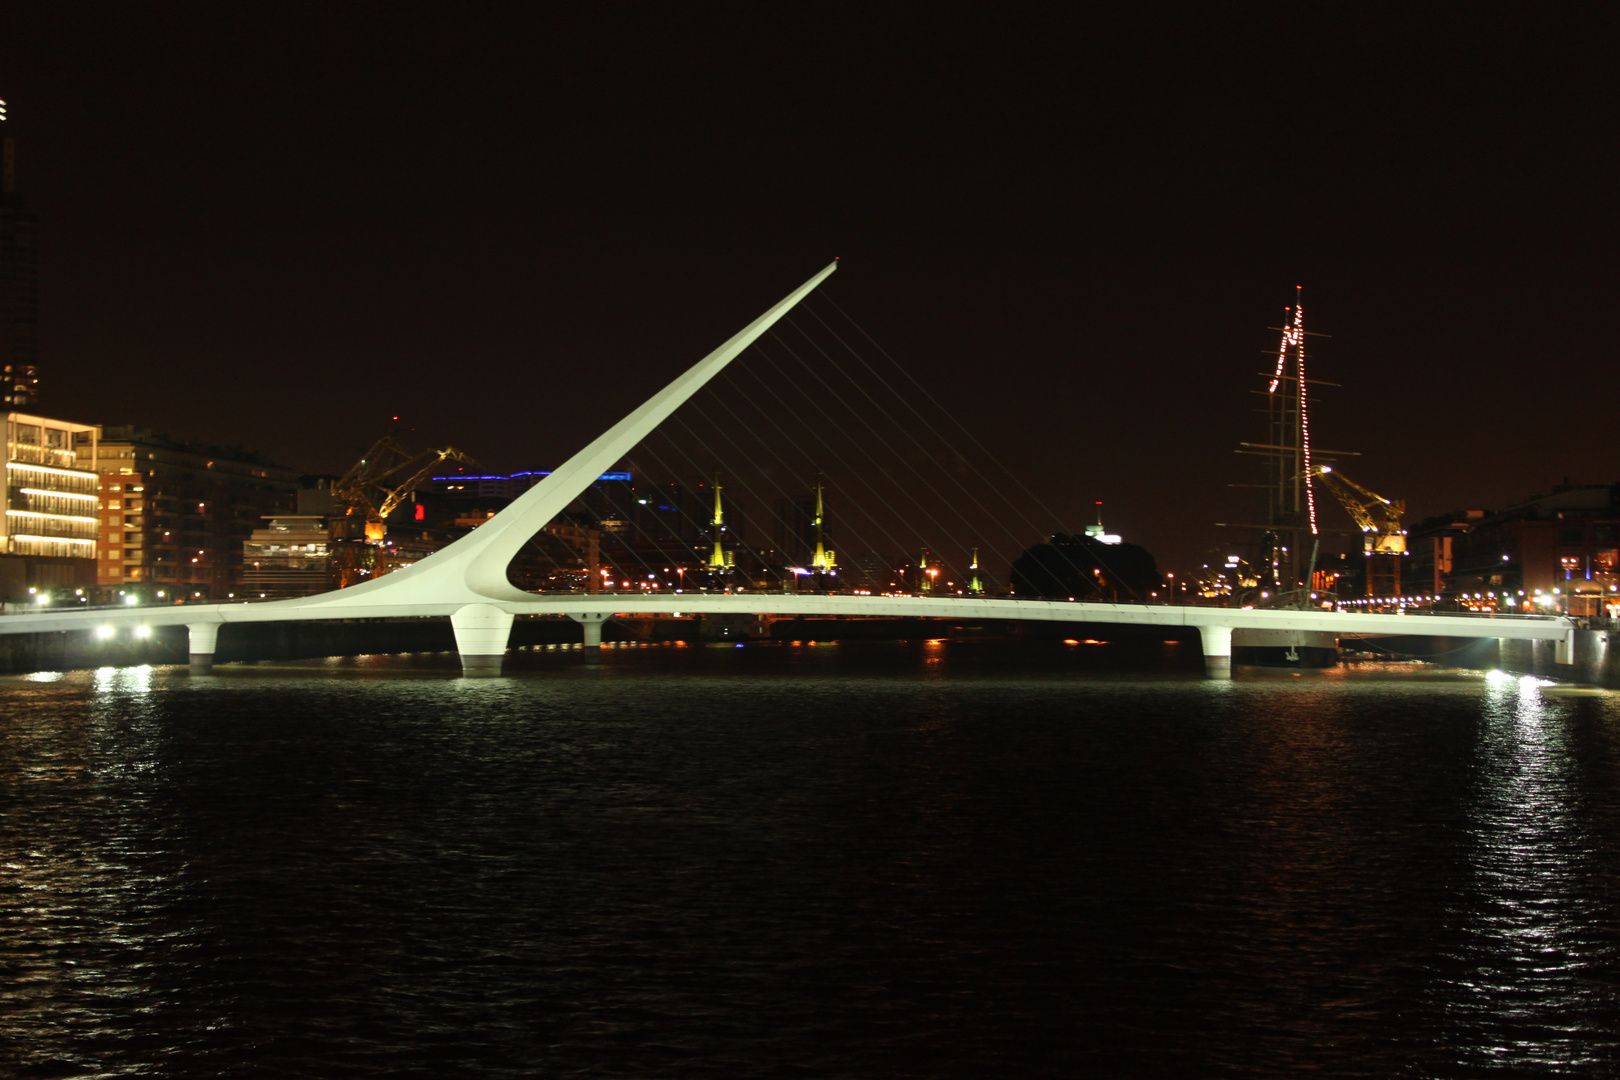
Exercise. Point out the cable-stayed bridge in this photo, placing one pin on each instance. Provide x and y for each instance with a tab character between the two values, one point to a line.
467	580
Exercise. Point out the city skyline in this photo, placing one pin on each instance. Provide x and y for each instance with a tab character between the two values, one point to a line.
1078	234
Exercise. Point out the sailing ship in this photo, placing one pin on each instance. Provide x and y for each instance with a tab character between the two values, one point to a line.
1284	568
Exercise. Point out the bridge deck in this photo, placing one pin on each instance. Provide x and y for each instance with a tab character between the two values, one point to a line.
1341	623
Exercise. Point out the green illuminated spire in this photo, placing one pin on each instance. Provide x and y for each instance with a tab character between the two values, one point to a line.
974	584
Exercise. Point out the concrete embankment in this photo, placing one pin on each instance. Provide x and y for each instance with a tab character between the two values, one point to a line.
1596	658
70	650
248	642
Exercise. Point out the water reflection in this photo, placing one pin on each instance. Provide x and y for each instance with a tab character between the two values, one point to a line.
938	859
1526	920
135	680
72	887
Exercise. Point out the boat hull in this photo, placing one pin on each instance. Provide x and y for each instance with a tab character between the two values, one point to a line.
1285	648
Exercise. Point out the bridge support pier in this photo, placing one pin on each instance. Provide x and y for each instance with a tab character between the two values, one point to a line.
204	638
1217	651
482	631
591	624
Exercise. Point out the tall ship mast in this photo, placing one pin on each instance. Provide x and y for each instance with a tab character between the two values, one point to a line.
1290	536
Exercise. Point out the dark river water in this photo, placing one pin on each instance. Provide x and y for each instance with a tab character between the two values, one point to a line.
881	860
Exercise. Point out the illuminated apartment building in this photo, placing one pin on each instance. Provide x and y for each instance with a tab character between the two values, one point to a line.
48	537
175	515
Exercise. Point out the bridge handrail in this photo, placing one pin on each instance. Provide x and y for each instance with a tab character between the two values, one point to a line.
1487	615
746	598
27	609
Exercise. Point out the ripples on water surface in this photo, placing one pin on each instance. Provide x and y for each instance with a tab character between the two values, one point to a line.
923	860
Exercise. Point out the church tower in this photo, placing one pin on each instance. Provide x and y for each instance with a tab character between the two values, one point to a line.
720	560
825	560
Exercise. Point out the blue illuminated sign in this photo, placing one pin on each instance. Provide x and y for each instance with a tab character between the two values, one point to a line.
625	476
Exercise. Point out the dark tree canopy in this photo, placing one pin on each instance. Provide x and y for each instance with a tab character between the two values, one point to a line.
1081	566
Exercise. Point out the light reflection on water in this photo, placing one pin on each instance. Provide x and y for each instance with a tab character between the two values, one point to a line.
135	680
945	859
1533	970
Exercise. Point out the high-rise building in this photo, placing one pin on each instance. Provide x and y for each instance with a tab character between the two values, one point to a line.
641	523
866	570
175	515
19	283
795	529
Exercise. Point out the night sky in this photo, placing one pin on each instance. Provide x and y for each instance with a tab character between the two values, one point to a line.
281	225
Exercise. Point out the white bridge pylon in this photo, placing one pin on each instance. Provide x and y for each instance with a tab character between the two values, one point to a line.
467	580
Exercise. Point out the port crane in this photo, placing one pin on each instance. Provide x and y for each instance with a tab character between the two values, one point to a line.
371	490
375	486
1379	519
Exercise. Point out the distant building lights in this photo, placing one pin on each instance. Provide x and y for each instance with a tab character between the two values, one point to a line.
104	632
